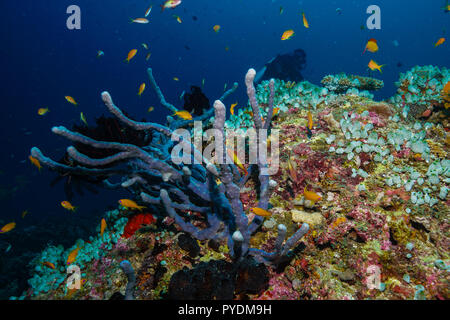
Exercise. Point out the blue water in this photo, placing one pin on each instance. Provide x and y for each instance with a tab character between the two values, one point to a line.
42	61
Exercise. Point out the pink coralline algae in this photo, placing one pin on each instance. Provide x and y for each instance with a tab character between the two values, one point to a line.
280	289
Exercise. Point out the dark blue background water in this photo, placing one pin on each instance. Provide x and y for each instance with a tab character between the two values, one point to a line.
42	61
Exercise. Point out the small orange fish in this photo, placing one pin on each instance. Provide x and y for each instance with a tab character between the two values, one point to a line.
236	160
185	115
178	18
309	125
232	108
139	20
287	34
261	212
71	100
275	111
439	42
148	56
131	55
310	120
176	79
305	22
310	195
374	66
292	168
427	113
35	162
72	256
130	204
49	265
371	45
216	28
102	227
141	89
24	213
43	111
68	206
150	109
8	227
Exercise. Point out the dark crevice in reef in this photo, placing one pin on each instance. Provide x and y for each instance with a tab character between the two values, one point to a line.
392	238
283	261
418	226
189	244
219	279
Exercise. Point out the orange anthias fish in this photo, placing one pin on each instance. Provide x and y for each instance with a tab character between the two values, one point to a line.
131	55
309	125
49	265
261	212
374	66
71	100
232	108
68	206
8	227
185	115
446	91
72	256
35	162
102	227
292	168
130	204
43	111
439	42
216	28
170	4
139	20
446	95
371	45
141	89
177	18
287	34
236	160
305	22
310	195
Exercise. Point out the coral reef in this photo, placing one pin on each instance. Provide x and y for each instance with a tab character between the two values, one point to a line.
366	192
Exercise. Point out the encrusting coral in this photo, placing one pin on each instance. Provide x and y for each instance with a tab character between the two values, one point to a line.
379	176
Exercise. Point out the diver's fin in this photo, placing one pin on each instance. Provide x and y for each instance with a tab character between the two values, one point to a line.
259	74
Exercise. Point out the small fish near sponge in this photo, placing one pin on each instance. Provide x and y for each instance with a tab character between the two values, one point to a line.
446	95
340	83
